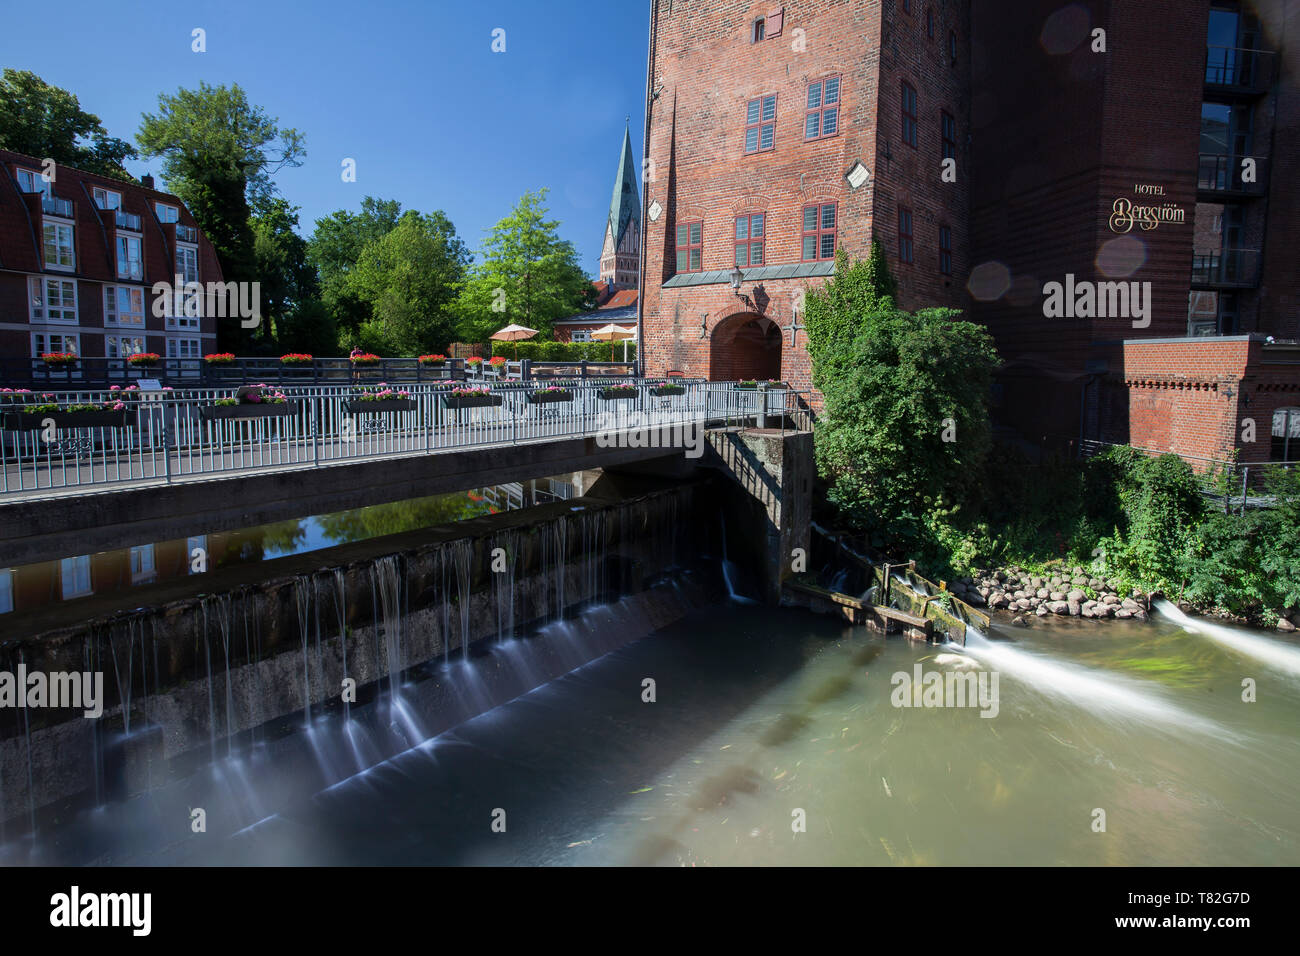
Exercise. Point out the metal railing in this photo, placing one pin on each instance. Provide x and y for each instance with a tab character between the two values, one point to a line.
1240	68
1219	173
1235	486
168	436
1230	269
54	206
126	220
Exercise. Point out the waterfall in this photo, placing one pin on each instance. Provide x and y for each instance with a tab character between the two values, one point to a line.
1283	657
503	582
727	567
302	594
1107	695
387	580
339	593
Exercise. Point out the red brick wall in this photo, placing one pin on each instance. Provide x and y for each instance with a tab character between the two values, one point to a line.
706	69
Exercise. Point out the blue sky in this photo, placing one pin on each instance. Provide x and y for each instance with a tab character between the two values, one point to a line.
410	89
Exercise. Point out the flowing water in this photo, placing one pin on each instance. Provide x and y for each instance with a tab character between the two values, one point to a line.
764	721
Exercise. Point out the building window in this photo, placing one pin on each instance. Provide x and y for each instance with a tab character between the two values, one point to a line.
945	250
58	246
123	346
33	182
187	263
123	306
948	130
581	335
929	22
130	264
760	124
749	240
1286	434
106	198
952	46
819	232
760	26
166	213
183	348
74	575
53	300
904	234
690	246
142	564
909	114
43	342
823	117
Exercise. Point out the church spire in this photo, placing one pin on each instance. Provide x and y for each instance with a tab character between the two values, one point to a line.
620	254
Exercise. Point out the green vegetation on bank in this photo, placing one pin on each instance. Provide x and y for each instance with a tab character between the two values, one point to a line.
896	385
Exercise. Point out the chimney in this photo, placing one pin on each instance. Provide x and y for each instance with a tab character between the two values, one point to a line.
147	181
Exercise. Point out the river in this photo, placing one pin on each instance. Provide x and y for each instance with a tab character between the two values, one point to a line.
772	740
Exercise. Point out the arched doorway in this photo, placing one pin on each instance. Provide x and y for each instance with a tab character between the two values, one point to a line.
745	346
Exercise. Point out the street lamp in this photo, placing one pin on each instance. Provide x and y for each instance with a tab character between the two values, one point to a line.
737	277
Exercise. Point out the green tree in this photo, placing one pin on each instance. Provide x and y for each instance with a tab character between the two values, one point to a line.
410	278
219	153
288	281
835	314
334	248
46	121
528	275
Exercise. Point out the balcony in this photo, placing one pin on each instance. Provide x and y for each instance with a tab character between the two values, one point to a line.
1220	177
1230	269
1238	70
186	233
126	220
53	206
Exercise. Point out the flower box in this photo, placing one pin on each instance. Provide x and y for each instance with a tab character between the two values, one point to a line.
470	401
359	406
143	359
100	418
543	398
619	394
668	390
296	358
365	360
59	359
247	410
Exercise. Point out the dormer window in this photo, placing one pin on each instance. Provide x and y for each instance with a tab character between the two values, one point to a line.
106	198
166	213
30	181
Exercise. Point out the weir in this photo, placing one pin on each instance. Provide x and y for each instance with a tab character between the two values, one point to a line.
370	648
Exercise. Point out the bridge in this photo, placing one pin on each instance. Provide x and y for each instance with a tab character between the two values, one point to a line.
175	463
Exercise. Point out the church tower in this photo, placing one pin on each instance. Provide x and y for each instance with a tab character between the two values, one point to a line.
620	254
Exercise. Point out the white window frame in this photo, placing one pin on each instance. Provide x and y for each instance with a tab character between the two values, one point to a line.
38	287
36	182
68	342
75	572
193	344
172	213
103	200
123	347
581	335
187	251
113	313
127	238
58	226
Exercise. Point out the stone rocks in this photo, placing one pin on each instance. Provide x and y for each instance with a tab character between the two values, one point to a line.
998	600
1058	607
1076	596
1284	625
1042	593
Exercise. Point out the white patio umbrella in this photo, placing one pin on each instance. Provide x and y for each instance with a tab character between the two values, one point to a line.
613	333
513	333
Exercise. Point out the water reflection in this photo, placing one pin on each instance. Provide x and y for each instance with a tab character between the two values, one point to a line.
32	586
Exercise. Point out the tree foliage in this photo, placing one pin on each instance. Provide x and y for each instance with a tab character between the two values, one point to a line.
528	275
905	429
409	278
46	121
334	248
219	153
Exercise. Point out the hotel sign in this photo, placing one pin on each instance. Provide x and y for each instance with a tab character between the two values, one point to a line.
1125	213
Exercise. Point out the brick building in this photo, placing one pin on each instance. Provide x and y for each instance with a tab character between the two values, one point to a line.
1097	142
777	135
1160	152
79	255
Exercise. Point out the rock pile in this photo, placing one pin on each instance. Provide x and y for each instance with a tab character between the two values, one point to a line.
1073	593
